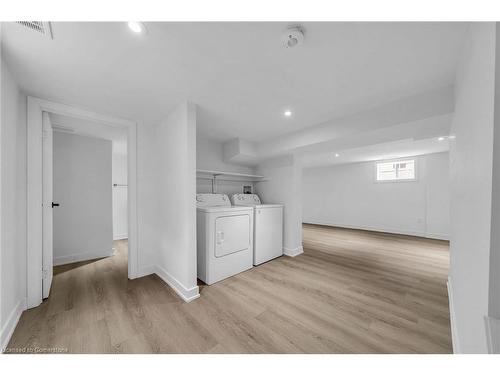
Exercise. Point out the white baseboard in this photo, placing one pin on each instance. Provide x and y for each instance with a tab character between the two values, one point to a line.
436	236
120	237
453	321
293	252
187	294
492	334
11	323
73	258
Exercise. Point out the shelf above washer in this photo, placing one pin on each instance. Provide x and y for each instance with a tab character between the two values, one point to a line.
240	176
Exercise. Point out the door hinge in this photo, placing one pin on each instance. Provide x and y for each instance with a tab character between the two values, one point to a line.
44	274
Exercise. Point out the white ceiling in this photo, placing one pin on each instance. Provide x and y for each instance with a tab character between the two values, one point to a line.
238	73
91	129
382	151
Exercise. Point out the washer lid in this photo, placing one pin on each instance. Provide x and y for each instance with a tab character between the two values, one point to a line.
245	199
212	200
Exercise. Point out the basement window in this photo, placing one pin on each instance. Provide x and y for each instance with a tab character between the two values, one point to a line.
399	170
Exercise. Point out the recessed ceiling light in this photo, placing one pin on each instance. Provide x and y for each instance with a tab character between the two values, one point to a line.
137	27
451	137
337	155
287	113
441	139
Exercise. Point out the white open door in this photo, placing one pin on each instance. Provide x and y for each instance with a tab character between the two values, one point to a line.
47	206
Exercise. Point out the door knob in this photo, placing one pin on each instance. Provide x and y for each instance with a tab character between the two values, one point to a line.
55	204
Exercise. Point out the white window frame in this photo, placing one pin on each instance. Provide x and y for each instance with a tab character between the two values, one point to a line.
375	175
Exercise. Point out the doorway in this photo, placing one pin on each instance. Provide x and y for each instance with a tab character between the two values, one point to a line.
84	188
47	130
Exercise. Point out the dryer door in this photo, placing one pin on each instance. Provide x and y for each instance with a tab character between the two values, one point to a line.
232	234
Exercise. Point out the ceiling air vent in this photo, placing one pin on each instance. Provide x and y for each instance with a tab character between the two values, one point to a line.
40	27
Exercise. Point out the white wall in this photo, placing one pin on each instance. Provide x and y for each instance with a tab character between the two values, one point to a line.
209	156
13	204
83	224
120	215
175	226
438	195
347	196
147	205
283	184
471	187
494	290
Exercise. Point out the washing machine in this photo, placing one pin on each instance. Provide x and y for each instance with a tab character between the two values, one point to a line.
224	237
268	227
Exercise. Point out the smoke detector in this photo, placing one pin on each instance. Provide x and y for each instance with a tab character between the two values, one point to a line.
293	37
40	27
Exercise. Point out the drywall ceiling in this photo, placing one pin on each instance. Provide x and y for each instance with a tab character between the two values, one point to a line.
238	73
383	151
91	129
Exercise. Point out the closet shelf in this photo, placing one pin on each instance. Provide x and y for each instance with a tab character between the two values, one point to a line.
240	176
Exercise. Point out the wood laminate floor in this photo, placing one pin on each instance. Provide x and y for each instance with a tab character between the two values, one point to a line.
350	292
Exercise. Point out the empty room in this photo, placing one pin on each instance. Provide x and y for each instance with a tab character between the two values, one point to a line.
249	187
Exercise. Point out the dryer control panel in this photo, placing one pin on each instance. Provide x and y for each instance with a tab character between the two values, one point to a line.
245	199
212	200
